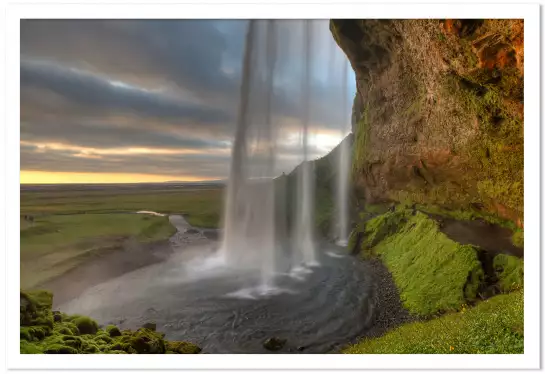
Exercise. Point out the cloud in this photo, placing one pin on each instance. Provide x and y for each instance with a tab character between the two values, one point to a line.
91	92
162	85
144	52
200	165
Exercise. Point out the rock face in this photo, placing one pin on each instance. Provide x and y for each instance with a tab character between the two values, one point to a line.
438	116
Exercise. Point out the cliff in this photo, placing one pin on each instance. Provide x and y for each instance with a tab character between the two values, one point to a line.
438	115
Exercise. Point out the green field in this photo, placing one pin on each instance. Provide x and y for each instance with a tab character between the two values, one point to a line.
73	225
201	206
493	326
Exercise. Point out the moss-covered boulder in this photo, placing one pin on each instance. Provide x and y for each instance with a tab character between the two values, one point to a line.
433	273
182	347
113	330
44	331
509	272
85	325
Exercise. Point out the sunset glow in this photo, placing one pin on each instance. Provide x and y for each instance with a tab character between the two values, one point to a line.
47	177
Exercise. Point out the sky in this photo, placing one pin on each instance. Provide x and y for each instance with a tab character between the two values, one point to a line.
118	101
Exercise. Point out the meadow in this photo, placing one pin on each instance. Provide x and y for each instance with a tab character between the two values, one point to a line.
71	224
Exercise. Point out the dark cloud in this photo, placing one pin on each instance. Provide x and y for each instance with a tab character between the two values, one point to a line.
159	84
107	135
187	52
93	93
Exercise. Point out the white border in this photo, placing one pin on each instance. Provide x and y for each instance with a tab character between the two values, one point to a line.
530	13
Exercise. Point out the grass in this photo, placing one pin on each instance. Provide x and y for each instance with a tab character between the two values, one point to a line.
493	326
44	331
509	271
433	273
201	206
55	244
73	224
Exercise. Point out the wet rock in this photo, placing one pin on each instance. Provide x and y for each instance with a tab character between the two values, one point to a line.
57	316
274	344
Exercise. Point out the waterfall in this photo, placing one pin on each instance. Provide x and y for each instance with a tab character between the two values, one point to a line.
249	229
305	178
257	233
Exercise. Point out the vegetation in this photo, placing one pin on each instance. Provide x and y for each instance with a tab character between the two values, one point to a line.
509	272
55	244
493	326
71	225
361	142
201	206
433	273
498	155
45	331
518	238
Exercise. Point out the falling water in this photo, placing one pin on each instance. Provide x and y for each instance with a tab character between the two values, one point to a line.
344	167
305	182
254	230
249	237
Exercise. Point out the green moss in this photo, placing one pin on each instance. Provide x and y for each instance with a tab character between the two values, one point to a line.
518	238
182	347
496	156
433	273
509	272
40	333
493	326
359	160
381	226
352	240
35	308
85	325
376	208
113	330
147	341
66	328
26	347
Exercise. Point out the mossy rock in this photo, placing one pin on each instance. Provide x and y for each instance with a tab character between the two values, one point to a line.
26	347
274	344
66	328
509	271
113	331
31	333
146	341
60	349
433	273
518	238
86	325
182	347
35	308
44	331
